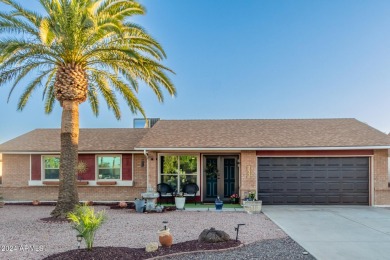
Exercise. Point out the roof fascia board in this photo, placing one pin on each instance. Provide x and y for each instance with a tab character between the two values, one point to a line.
80	152
264	149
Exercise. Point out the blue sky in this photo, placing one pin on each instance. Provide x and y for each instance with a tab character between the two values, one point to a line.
253	59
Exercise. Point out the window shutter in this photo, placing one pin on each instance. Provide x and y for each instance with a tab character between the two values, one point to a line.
36	164
89	160
127	167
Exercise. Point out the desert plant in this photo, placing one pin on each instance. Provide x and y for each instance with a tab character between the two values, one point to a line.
86	222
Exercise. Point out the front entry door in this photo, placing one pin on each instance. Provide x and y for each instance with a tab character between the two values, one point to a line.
229	176
221	177
212	176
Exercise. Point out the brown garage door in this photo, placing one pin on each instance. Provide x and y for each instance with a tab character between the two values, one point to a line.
313	180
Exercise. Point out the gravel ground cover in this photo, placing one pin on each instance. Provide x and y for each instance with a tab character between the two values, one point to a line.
25	236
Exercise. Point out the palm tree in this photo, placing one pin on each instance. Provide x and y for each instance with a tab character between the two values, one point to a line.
79	50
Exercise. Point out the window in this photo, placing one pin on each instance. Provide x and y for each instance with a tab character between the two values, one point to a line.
51	166
109	167
178	170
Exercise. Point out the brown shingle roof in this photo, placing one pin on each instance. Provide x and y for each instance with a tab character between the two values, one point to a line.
285	133
97	139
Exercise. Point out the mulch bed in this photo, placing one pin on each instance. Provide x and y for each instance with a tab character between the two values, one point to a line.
55	220
103	253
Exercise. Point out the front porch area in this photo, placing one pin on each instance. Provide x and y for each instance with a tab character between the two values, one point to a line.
216	174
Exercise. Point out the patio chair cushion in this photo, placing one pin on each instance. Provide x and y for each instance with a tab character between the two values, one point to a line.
190	190
165	191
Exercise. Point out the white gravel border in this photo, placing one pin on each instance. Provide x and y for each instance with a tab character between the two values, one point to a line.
24	236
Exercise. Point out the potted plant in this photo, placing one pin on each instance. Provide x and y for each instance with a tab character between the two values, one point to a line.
180	201
234	198
251	196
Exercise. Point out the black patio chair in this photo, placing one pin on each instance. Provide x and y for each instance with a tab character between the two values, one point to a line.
189	191
166	191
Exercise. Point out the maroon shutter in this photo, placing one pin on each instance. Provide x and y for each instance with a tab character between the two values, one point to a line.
36	167
127	167
89	159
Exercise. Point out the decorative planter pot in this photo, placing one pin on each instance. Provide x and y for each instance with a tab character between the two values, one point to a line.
180	202
252	207
165	237
139	205
218	205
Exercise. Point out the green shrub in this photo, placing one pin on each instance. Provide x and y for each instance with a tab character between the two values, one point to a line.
86	222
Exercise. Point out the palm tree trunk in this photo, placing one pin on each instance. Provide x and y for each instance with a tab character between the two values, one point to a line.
68	197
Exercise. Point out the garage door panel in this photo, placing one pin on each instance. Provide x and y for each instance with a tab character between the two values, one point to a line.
292	186
320	187
306	200
333	174
311	180
334	200
306	186
291	199
334	186
306	174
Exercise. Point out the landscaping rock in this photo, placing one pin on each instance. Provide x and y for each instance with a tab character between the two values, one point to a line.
213	236
151	247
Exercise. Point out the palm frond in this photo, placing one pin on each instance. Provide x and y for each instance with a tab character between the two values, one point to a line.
93	99
98	36
30	88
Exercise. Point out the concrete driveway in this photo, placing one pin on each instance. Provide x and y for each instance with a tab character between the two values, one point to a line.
336	232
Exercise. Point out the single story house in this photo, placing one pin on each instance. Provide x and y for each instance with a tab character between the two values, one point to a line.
289	161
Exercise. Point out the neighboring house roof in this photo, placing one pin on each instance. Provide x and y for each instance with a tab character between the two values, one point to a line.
252	134
97	139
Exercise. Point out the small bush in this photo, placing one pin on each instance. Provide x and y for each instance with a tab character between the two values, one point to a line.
86	222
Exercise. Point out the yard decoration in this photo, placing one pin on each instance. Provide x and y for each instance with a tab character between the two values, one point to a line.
139	205
86	222
151	247
164	236
122	204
